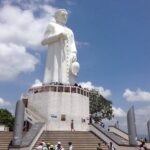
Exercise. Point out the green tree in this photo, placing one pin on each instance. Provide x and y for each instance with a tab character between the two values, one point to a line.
6	118
100	108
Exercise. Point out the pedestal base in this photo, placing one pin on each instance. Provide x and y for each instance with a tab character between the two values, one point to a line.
60	104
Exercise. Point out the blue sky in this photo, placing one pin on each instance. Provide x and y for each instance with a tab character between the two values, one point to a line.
113	41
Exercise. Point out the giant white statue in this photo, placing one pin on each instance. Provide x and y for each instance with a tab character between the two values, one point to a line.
61	64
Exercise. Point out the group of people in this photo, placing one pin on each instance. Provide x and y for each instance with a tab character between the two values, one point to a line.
47	146
142	146
110	146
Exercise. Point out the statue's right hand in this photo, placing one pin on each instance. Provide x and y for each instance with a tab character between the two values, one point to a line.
63	36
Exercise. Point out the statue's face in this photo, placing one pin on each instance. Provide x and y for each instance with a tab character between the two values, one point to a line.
61	17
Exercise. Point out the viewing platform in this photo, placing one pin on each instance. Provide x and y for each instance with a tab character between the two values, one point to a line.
60	88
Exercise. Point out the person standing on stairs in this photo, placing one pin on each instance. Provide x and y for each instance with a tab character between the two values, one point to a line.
72	126
40	146
98	146
111	146
70	146
52	147
59	146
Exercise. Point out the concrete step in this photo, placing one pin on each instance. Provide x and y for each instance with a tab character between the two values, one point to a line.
5	138
81	140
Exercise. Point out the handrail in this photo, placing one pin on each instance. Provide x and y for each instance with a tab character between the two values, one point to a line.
35	112
111	136
118	129
34	116
30	137
31	134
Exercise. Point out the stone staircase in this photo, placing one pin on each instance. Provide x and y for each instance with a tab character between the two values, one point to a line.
126	142
5	138
81	140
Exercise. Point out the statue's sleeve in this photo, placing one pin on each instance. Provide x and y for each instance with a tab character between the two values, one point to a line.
49	31
50	35
73	45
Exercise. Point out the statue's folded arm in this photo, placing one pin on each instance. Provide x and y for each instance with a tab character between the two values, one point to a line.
51	39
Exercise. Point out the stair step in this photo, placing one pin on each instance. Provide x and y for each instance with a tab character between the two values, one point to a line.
81	140
5	138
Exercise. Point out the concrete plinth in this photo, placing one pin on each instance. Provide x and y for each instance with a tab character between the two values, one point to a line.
60	104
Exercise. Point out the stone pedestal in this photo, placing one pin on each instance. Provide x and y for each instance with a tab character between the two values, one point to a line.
59	104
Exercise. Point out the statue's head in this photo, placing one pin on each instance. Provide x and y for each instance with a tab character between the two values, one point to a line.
61	16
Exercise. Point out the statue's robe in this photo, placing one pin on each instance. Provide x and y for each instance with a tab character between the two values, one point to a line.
58	60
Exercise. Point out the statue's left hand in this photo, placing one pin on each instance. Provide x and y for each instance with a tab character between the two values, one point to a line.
63	36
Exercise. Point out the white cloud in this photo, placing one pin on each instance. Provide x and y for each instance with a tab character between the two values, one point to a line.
141	118
26	30
90	86
37	83
20	31
118	112
28	3
82	44
143	111
137	95
14	60
4	102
